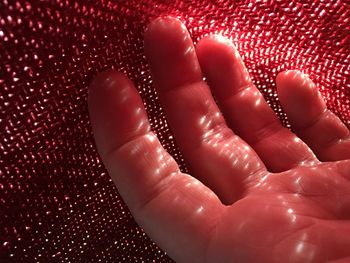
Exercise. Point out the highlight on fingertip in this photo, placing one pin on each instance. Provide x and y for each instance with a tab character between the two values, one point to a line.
297	77
164	22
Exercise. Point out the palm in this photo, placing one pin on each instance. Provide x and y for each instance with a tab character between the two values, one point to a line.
257	192
301	215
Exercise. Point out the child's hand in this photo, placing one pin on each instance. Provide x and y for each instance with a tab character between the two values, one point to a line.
270	195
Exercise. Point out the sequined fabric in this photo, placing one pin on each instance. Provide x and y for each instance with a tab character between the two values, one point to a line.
58	203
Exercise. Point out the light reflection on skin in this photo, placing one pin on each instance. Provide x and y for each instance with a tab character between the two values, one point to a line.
274	212
200	210
226	151
291	204
189	51
124	95
292	215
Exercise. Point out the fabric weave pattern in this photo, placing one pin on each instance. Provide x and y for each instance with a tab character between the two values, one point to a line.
58	203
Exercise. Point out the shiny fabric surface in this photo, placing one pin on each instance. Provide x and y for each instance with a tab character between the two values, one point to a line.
58	203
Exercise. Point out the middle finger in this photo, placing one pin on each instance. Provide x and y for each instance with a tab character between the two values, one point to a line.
215	155
246	110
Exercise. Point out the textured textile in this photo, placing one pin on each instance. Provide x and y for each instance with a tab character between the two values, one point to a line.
57	201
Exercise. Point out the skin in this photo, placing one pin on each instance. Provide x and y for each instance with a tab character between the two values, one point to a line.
257	192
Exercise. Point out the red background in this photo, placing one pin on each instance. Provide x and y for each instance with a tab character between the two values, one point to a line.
56	199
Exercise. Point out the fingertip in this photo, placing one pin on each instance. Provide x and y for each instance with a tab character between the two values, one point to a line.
163	23
217	54
283	75
171	55
299	96
282	83
296	85
107	91
214	41
106	80
294	79
164	28
213	46
116	110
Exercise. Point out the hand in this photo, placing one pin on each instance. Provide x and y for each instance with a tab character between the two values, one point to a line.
256	193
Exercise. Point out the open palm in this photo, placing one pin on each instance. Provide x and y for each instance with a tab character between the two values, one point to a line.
257	192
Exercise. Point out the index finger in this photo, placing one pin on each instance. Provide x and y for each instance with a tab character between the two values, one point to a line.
175	209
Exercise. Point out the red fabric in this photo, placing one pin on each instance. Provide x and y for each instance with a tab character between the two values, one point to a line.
58	204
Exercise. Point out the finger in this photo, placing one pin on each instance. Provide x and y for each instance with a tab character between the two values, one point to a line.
175	209
245	109
214	154
321	129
